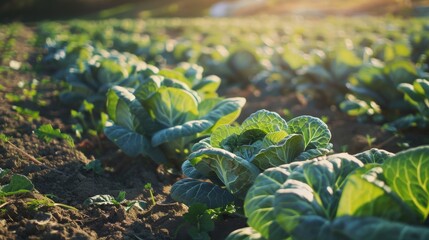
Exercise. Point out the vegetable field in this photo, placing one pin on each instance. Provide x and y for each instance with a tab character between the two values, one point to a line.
198	128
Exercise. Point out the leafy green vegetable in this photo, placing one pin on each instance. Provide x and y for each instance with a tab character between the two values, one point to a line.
233	156
162	117
95	165
91	79
374	194
407	173
27	113
417	94
326	80
374	91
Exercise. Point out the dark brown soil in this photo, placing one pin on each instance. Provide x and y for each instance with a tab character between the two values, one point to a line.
63	177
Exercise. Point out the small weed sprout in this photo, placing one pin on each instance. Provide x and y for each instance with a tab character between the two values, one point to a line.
370	140
148	186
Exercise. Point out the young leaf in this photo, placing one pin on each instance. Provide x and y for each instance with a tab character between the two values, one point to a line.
315	132
18	184
3	137
407	173
100	200
48	133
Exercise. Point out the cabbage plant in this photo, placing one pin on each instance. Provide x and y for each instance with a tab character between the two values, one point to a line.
90	80
222	167
374	91
60	55
192	75
326	79
417	94
371	195
162	117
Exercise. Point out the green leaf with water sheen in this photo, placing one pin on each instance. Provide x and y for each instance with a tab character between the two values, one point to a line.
407	173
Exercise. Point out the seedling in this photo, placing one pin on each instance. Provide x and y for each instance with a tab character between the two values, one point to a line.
148	186
325	119
96	166
100	200
200	221
287	114
28	94
370	140
93	127
27	113
18	184
36	204
47	133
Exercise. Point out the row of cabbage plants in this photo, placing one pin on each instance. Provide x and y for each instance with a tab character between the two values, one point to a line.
357	65
282	174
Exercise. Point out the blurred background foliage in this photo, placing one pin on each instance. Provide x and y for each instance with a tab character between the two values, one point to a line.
36	10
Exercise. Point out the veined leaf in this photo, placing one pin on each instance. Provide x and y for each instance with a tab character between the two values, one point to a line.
365	195
356	228
264	120
374	155
192	191
172	74
207	85
190	171
295	200
225	111
132	143
236	173
187	129
172	106
407	173
148	87
259	203
126	110
282	153
315	132
221	133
